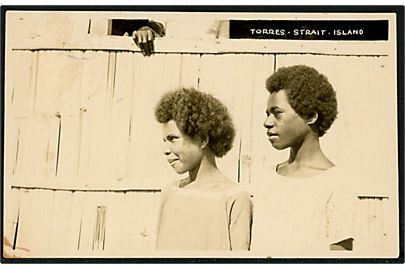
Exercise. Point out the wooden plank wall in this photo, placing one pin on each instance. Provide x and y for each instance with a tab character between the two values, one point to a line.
84	123
82	135
83	158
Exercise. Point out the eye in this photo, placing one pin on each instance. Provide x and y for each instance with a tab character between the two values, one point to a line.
172	138
277	114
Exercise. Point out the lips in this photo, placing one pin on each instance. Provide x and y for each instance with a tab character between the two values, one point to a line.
171	161
271	134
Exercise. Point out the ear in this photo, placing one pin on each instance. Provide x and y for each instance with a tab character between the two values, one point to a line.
204	142
312	119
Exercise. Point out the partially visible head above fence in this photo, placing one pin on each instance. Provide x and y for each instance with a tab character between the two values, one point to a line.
308	92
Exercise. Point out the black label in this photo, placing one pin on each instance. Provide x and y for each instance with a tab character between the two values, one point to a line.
309	30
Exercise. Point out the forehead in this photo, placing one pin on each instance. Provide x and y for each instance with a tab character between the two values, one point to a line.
170	127
278	99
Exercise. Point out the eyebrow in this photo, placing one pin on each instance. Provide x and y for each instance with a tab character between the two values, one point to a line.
272	109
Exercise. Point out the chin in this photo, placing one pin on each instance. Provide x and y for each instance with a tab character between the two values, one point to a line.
180	171
278	146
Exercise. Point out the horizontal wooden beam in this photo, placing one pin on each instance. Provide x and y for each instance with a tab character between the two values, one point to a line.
78	185
124	185
217	46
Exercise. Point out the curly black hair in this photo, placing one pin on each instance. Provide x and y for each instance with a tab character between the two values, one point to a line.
308	92
198	114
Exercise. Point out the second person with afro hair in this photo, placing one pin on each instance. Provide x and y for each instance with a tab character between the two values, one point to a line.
205	210
304	205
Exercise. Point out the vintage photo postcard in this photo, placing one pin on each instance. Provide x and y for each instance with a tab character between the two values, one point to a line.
203	134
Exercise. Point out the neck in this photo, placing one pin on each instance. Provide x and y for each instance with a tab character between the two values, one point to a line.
206	170
308	152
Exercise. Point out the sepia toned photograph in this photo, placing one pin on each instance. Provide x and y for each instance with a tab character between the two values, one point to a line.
258	134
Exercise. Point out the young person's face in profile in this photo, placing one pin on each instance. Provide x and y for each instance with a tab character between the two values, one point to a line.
285	128
182	152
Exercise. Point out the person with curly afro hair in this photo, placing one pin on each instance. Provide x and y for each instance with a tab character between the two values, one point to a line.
204	210
300	109
304	207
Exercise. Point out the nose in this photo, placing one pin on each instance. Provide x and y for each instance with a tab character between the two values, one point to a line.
268	122
166	149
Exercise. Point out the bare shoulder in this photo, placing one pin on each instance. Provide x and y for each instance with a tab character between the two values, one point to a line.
223	184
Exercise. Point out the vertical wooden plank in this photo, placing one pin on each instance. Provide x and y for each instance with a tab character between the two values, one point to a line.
93	98
84	143
120	142
94	101
71	71
24	233
94	85
171	72
252	96
379	225
370	231
47	95
35	221
12	144
11	210
69	146
89	221
244	100
112	64
51	162
390	227
73	237
122	112
383	104
22	238
60	224
100	228
373	232
123	82
136	238
108	146
101	155
21	82
358	228
126	204
150	217
362	244
385	79
190	70
116	234
124	237
33	146
369	226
